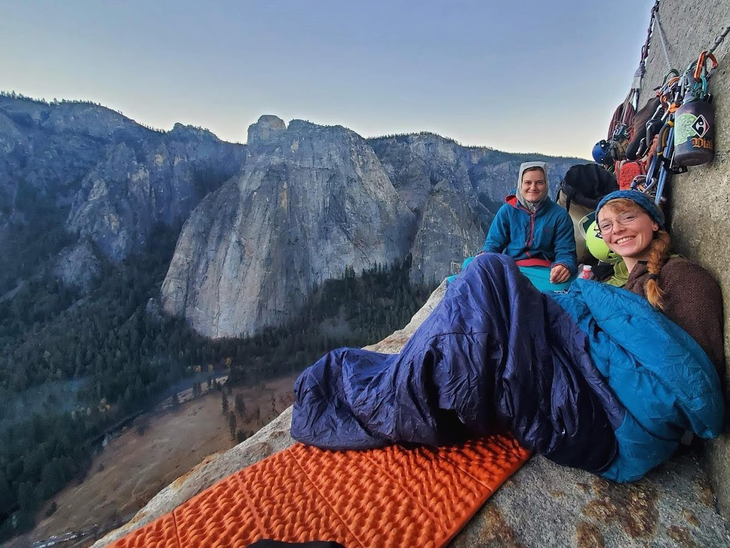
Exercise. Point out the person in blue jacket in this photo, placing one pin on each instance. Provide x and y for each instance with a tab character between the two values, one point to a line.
535	231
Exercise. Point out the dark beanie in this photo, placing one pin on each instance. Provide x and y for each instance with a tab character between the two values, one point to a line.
640	199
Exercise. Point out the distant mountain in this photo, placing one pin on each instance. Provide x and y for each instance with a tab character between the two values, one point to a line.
264	223
74	172
310	202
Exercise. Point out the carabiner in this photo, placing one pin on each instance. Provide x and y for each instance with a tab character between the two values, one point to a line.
668	89
700	69
664	138
666	76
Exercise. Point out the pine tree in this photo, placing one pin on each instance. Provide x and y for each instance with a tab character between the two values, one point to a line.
6	498
240	405
27	497
232	424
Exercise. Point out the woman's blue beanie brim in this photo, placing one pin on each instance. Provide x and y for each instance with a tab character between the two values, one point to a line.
640	199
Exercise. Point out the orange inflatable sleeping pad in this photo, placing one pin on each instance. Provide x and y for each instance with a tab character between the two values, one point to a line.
388	497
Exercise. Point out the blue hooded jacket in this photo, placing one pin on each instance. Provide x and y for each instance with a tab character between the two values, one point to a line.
544	237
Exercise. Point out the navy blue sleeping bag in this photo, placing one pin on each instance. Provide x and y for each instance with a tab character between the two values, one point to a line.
592	378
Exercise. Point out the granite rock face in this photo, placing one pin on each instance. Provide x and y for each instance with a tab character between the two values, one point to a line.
542	504
699	199
40	163
448	232
78	266
140	184
310	202
101	176
40	172
264	130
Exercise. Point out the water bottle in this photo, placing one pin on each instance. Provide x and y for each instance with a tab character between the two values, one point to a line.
586	273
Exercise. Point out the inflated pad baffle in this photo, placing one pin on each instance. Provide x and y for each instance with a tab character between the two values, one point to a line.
390	497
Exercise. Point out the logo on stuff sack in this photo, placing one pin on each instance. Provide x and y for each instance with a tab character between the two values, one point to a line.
701	126
688	126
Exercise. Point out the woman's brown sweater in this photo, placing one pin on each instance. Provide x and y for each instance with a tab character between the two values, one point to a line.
692	299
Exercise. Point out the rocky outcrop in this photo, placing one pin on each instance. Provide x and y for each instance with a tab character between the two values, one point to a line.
432	175
10	135
310	202
140	184
40	172
417	163
37	160
104	177
78	266
543	504
448	232
90	120
264	129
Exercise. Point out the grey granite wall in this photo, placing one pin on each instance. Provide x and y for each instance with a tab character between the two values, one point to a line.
700	199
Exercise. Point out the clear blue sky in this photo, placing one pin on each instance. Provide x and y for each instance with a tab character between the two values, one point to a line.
514	75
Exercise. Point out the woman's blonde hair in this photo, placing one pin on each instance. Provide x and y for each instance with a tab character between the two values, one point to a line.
658	251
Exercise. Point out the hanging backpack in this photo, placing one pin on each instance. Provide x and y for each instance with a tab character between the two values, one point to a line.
647	123
622	120
586	184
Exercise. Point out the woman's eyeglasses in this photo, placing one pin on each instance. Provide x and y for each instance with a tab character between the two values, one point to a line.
606	227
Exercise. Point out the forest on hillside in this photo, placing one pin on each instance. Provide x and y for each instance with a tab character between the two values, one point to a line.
91	361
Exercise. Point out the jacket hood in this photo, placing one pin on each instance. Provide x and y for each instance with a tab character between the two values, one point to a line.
531	206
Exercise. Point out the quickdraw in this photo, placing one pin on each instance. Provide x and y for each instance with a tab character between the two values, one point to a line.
661	165
701	70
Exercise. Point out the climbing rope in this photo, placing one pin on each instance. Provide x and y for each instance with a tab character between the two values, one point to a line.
633	96
645	47
663	38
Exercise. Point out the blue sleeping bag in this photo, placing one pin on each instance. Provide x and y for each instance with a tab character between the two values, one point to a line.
592	378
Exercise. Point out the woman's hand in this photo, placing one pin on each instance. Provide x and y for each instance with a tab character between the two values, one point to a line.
559	274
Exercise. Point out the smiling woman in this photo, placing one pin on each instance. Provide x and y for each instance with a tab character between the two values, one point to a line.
534	185
535	231
633	227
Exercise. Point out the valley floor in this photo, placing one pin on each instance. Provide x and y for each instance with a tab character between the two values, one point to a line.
134	467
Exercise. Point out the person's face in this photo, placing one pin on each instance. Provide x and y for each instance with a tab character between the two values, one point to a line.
628	233
534	187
